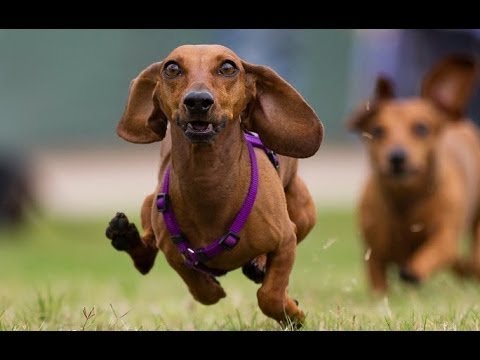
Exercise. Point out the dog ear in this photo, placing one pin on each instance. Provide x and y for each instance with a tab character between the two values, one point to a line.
450	84
384	90
279	114
143	121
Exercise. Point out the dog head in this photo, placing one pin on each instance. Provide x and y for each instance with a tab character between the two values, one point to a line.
206	90
401	134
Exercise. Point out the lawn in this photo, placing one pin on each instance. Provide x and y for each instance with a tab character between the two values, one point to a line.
64	275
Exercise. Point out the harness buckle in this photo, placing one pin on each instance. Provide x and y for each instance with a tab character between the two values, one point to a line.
162	202
229	241
200	255
193	257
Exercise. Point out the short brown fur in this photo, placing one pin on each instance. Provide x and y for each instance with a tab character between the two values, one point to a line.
416	219
209	181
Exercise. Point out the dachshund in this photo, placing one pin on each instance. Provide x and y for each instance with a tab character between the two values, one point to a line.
228	194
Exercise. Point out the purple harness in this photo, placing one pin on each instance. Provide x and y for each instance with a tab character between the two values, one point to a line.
195	258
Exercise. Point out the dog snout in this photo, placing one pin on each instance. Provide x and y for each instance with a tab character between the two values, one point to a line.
397	158
198	101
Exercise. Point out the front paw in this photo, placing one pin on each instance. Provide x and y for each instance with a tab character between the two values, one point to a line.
409	277
124	234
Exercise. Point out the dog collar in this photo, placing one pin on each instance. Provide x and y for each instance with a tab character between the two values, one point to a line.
196	258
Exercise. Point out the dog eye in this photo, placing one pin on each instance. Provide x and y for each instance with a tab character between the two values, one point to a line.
420	129
172	70
228	68
377	132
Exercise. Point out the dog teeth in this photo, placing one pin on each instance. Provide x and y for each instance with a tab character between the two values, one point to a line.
208	128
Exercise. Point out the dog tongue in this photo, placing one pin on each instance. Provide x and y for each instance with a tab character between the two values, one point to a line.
199	125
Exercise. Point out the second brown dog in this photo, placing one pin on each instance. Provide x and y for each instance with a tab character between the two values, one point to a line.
424	187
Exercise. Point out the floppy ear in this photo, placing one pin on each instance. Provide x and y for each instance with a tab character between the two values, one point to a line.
450	84
143	121
279	114
384	90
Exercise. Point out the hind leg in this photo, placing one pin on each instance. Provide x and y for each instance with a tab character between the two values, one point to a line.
125	237
302	212
301	207
255	269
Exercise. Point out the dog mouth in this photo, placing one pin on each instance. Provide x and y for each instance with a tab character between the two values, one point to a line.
400	173
198	131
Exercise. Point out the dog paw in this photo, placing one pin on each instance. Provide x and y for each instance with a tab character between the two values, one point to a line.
295	322
209	294
124	234
255	269
407	276
295	325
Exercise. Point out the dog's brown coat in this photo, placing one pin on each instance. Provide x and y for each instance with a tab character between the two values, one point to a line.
208	182
417	223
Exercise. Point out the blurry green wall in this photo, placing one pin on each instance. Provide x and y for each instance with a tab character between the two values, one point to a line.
68	87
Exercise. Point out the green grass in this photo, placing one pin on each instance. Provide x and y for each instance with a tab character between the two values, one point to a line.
58	275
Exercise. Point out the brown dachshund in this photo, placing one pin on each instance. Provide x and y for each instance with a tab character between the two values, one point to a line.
424	187
198	102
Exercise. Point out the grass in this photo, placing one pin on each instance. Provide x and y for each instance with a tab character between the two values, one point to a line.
61	275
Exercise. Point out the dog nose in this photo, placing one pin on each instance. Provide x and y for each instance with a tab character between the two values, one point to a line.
198	101
397	157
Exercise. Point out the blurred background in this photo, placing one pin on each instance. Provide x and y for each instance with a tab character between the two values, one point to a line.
62	92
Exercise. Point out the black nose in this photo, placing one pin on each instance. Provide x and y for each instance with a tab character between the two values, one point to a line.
198	101
397	158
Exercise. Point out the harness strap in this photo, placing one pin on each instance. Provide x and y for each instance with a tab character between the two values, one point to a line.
256	142
195	258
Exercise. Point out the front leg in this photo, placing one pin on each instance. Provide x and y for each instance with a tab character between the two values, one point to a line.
377	274
204	288
125	237
440	250
377	237
272	295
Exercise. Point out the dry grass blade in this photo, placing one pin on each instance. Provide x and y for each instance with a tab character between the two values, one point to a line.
88	316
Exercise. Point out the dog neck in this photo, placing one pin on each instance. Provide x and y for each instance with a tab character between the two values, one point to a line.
208	177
